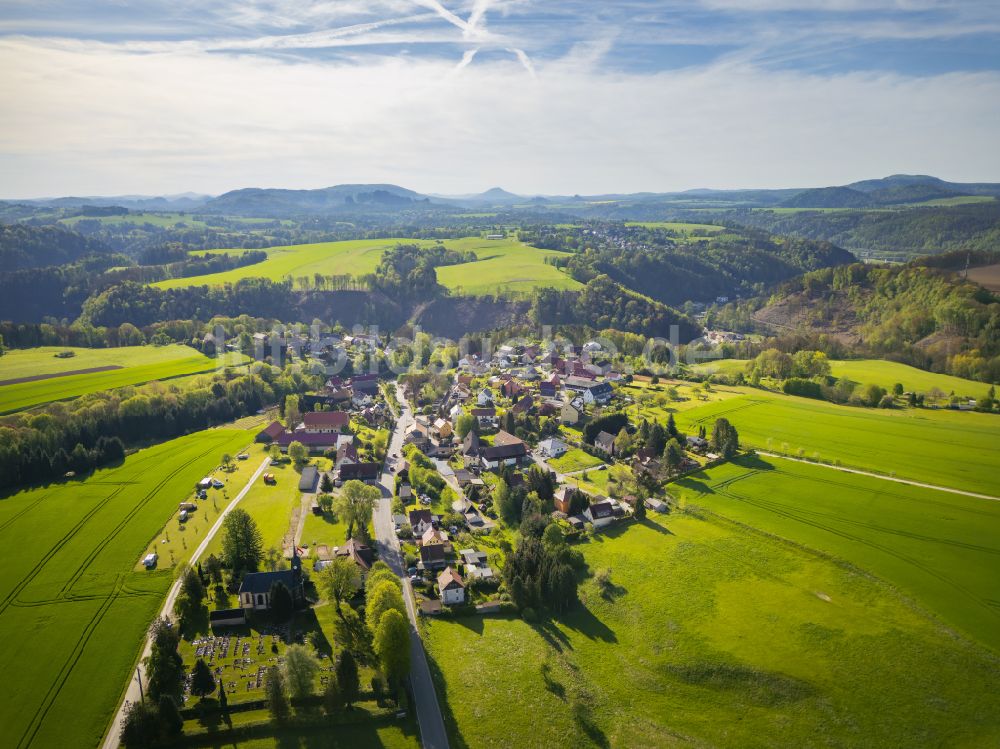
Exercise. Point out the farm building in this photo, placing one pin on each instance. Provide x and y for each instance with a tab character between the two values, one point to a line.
308	480
227	618
326	422
366	472
270	433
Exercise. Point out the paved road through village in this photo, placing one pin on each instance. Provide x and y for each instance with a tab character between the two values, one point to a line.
432	733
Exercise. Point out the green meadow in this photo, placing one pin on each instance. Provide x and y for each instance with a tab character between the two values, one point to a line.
939	548
679	226
574	460
136	365
73	611
501	265
956	449
712	634
877	372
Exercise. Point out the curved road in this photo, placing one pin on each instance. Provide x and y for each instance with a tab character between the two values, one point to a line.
432	732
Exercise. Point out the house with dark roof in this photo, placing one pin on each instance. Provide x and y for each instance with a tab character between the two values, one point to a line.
509	455
549	386
600	513
432	557
222	618
471	445
357	552
605	442
523	406
255	590
318	442
366	472
598	393
367	383
420	521
486	416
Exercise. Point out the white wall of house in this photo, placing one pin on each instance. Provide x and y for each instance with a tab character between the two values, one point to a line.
454	594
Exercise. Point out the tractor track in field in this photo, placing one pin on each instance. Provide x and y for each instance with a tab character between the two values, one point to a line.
800	517
23	511
57	684
65	539
117	592
139	505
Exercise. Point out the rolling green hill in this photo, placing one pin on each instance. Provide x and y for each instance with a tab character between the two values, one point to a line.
128	365
502	264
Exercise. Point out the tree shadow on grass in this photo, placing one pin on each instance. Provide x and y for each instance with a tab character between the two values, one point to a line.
753	461
552	635
583	621
553	686
473	623
582	717
455	738
653	526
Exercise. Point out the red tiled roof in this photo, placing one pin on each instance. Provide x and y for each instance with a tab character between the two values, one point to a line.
334	419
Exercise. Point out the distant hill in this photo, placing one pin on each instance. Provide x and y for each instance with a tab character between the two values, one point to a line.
268	202
23	246
828	197
183	202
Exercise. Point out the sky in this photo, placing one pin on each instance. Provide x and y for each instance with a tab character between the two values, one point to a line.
113	97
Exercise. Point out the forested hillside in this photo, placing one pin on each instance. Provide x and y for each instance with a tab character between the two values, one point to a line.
673	269
895	233
23	246
925	316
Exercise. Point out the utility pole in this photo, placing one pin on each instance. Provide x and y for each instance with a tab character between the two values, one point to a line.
138	675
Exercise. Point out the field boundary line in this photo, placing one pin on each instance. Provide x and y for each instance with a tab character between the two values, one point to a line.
111	737
882	476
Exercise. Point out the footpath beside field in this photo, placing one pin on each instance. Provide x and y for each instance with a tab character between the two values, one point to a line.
132	693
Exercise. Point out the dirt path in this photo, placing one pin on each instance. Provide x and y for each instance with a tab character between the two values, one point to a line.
882	476
39	377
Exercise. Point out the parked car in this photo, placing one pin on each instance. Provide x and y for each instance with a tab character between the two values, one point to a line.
411	571
243	456
202	494
217	484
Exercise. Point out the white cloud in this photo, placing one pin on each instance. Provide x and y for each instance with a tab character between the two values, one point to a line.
86	119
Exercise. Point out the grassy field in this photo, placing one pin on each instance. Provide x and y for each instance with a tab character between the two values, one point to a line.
138	364
939	548
941	447
73	612
271	506
574	460
502	264
176	541
164	220
679	226
716	636
878	372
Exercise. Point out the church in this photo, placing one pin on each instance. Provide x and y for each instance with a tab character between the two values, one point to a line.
255	592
